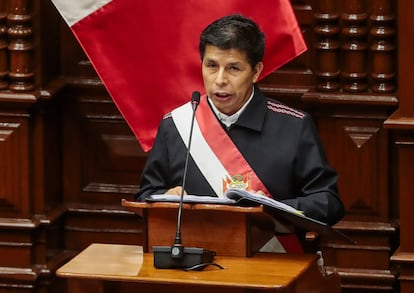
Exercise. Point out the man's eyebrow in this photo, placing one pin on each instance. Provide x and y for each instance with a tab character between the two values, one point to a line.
209	59
235	63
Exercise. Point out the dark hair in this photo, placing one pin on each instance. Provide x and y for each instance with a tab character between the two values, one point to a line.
234	32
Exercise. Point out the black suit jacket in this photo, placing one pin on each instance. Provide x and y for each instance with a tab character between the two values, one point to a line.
284	150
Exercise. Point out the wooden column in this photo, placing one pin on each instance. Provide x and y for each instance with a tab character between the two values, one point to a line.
21	45
354	73
383	33
326	47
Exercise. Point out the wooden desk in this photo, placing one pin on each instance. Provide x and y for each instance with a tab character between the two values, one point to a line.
125	268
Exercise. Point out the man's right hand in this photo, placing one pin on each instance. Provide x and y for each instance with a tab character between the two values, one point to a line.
175	190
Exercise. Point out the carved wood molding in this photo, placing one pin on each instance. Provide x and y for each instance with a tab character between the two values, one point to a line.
354	46
340	98
397	122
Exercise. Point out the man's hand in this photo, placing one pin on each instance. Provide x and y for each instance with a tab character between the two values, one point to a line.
175	190
257	192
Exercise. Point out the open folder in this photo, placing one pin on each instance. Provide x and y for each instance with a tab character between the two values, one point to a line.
278	210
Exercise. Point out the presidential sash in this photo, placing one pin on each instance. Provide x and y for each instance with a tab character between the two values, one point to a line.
214	152
221	162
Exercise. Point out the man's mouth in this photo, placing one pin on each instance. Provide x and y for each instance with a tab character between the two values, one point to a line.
222	95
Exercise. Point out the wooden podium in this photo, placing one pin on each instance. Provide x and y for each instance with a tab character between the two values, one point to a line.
234	233
126	269
227	230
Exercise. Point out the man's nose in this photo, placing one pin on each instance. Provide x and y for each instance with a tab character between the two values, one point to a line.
221	77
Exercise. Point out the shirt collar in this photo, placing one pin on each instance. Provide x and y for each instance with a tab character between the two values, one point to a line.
226	119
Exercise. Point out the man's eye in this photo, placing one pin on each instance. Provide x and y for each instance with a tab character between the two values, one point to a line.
211	65
234	68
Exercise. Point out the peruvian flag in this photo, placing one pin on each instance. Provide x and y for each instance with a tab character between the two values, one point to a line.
146	51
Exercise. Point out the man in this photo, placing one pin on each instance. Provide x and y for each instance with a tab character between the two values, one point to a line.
241	137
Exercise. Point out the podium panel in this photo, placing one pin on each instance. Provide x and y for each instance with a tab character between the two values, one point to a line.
227	230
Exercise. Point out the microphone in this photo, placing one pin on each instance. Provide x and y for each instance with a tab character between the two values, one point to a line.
178	256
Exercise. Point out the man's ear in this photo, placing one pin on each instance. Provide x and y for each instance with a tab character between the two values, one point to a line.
257	70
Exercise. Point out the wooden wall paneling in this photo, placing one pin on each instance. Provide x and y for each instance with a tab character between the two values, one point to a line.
401	124
3	46
404	256
102	163
405	63
346	81
102	157
46	42
337	34
351	91
353	57
357	146
350	95
14	179
361	164
45	148
101	224
31	207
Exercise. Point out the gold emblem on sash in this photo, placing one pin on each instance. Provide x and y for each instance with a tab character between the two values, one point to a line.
237	181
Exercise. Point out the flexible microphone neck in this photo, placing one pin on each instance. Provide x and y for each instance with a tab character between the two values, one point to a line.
177	250
178	256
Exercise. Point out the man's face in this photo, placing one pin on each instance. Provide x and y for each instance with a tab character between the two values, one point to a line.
228	78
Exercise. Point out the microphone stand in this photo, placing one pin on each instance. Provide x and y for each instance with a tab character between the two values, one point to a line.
177	250
178	256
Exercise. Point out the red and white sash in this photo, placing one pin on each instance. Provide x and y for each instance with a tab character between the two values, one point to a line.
214	152
221	162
